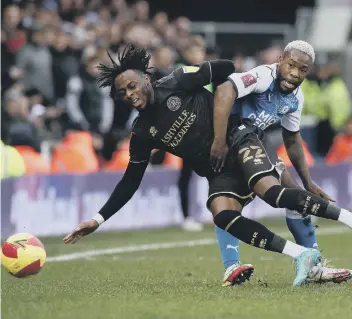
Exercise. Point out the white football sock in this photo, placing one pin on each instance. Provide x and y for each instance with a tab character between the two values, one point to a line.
345	217
293	250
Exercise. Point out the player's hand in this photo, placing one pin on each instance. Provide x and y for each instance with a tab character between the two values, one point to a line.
83	229
315	189
218	155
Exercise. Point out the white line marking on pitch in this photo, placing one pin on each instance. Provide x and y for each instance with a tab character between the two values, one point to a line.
158	246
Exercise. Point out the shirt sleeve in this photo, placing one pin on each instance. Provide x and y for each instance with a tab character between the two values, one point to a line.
191	78
140	150
256	80
124	190
292	121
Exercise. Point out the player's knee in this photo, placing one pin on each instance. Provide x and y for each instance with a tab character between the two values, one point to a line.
273	194
226	218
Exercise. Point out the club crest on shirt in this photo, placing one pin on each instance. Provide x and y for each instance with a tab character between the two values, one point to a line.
283	109
248	80
173	103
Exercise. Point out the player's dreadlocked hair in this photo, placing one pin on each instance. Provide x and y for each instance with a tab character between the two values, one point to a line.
131	58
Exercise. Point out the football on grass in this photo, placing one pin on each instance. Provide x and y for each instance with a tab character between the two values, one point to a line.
23	255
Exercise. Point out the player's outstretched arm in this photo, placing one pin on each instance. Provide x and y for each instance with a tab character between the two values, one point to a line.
294	148
122	193
224	98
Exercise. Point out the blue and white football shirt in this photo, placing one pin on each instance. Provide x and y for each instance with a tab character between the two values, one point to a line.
260	99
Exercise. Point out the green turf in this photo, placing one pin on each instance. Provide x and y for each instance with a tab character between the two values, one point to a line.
173	283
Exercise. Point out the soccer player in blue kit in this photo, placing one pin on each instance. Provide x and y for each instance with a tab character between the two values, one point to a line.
265	95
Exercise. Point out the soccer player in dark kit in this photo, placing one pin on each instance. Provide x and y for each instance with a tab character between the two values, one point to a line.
176	115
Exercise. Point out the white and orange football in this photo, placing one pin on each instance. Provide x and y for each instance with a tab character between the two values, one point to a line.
23	255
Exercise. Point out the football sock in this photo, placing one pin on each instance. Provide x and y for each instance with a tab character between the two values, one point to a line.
229	247
255	234
305	203
292	249
302	230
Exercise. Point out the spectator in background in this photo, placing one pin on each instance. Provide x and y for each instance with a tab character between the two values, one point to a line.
341	149
312	94
105	16
312	107
163	61
183	30
28	10
14	38
142	35
78	28
170	35
68	8
11	82
124	14
64	63
12	163
43	114
37	110
193	52
161	23
270	55
43	18
327	100
141	9
89	108
19	130
36	61
335	106
11	19
115	37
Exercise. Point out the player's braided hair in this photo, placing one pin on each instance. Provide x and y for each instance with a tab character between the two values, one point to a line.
131	58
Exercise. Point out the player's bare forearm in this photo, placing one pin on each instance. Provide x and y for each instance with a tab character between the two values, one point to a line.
224	98
294	148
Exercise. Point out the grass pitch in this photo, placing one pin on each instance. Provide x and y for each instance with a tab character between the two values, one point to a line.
173	283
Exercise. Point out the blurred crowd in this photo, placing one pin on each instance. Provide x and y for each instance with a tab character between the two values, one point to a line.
56	118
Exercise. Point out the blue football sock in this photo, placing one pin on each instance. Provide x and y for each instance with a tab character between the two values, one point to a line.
229	247
302	230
